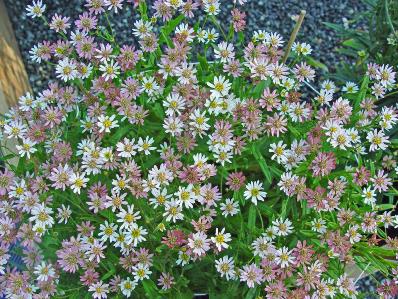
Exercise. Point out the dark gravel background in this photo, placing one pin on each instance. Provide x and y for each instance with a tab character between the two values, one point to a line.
269	15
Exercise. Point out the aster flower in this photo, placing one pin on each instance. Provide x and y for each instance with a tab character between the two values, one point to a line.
251	274
127	286
59	23
255	192
99	289
377	140
166	281
225	266
323	164
220	239
199	243
66	69
229	208
36	9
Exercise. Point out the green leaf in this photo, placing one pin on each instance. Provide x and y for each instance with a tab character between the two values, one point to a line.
150	288
251	222
263	164
316	63
362	93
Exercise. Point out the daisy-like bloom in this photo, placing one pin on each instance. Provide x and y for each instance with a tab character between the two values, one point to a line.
377	140
284	257
211	35
282	227
145	145
99	289
127	286
386	75
160	197
278	151
126	148
108	231
173	211
26	148
346	286
224	52
44	271
369	196
229	208
135	234
127	218
36	9
41	214
226	267
302	48
341	139
61	177
350	87
273	39
318	225
199	243
166	281
59	23
220	86
77	182
142	28
106	123
381	181
212	7
353	234
323	164
186	196
64	214
199	122
183	31
235	180
221	238
95	251
254	191
161	175
173	126
141	272
114	4
110	70
66	69
149	85
174	104
262	247
186	73
251	274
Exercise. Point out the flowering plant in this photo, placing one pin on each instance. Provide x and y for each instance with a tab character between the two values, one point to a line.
193	160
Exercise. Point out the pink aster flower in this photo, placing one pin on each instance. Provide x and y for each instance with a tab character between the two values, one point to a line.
323	164
381	181
235	180
238	18
6	180
251	274
86	22
60	177
174	238
166	281
59	23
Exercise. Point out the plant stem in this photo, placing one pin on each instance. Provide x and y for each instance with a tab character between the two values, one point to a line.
294	35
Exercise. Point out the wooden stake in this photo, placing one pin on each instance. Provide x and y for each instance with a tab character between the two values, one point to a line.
294	35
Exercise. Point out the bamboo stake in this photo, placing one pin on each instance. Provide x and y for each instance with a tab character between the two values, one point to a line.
294	35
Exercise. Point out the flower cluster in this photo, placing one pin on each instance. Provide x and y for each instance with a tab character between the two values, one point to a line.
192	160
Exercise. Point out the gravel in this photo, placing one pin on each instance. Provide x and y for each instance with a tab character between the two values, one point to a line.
269	15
